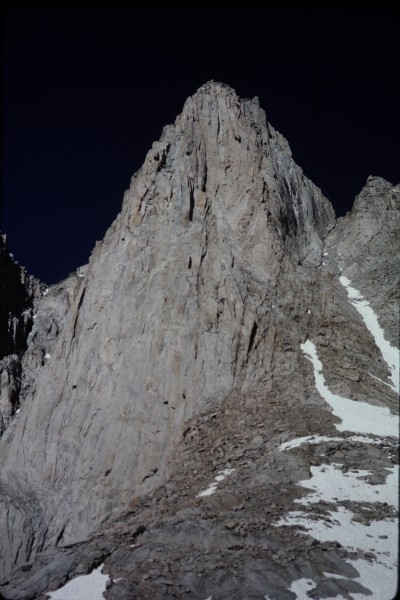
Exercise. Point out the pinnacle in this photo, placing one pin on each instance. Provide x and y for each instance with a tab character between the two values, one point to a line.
213	90
217	87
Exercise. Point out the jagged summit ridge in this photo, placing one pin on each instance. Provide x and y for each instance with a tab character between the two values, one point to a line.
218	139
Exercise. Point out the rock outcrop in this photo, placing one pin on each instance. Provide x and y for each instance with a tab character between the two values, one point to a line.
176	354
19	293
366	235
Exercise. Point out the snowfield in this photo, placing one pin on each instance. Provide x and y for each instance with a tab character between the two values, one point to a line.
84	587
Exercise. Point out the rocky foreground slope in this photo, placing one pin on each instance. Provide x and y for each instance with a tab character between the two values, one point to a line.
212	361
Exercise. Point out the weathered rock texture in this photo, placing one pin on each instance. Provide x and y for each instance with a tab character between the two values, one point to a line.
19	293
367	244
177	353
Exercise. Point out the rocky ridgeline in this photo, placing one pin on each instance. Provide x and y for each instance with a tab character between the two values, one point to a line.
174	361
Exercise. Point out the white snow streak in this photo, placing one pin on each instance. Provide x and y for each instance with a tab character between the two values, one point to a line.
328	483
358	417
213	486
84	587
316	439
379	379
390	354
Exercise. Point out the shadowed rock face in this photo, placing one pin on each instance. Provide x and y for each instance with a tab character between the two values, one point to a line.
19	292
194	304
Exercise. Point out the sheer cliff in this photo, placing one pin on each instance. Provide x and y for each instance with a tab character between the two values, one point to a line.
176	354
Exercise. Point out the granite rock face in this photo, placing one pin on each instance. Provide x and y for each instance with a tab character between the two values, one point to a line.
176	355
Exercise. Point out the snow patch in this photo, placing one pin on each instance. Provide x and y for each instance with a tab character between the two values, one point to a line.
301	587
358	417
380	537
316	439
47	355
46	291
390	353
84	587
329	482
376	577
213	486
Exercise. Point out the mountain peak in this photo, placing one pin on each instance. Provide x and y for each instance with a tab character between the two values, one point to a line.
221	100
177	358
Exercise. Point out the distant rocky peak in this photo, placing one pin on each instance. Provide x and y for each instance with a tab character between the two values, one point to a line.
377	194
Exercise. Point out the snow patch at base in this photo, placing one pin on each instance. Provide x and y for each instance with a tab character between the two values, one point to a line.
376	577
328	482
301	587
316	439
84	587
377	539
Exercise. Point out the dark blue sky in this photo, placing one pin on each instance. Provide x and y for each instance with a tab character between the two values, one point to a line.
85	92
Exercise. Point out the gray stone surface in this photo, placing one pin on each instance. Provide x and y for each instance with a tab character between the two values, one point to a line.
175	354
